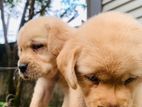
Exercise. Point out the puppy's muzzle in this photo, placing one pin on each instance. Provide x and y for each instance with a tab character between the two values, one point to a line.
23	67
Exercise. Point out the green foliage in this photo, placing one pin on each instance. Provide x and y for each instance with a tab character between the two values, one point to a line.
11	3
2	104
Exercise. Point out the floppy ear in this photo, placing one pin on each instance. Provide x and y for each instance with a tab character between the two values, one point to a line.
66	63
58	34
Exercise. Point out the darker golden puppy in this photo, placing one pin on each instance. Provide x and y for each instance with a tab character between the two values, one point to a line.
106	61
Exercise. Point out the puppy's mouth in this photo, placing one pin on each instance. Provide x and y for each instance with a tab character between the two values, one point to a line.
27	75
30	71
24	76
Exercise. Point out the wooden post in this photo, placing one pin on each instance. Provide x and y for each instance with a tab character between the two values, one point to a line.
93	7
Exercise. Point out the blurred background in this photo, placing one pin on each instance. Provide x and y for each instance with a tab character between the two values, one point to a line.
15	92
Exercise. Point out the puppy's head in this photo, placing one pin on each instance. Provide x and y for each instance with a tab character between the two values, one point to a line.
39	42
108	65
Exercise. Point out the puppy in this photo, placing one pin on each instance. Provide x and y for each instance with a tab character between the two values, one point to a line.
39	43
105	60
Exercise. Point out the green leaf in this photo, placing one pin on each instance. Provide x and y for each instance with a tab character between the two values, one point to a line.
2	104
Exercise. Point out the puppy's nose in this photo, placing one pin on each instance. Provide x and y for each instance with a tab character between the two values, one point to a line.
114	106
23	67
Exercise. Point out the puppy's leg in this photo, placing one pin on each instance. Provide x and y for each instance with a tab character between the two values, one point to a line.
76	98
66	99
73	98
138	96
42	92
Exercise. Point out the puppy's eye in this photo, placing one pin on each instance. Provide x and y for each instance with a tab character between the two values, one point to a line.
20	49
129	80
93	79
37	46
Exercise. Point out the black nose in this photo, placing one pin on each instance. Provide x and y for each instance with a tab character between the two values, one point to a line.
23	67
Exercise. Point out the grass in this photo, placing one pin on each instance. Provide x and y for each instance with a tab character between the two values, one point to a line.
2	104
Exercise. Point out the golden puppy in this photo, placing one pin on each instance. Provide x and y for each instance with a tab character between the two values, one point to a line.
39	43
106	61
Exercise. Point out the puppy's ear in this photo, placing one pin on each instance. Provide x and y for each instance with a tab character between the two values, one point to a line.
66	63
58	34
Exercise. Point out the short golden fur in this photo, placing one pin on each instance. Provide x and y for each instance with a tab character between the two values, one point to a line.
39	43
106	61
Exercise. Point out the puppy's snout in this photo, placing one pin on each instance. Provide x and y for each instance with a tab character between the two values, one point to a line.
109	105
23	67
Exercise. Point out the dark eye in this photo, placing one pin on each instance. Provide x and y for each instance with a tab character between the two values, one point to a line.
93	79
20	49
37	46
129	80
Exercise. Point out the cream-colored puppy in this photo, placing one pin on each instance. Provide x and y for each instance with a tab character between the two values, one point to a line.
39	43
106	61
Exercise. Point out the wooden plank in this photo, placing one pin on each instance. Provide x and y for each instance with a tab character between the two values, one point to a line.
136	8
115	4
137	13
130	6
140	20
105	2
